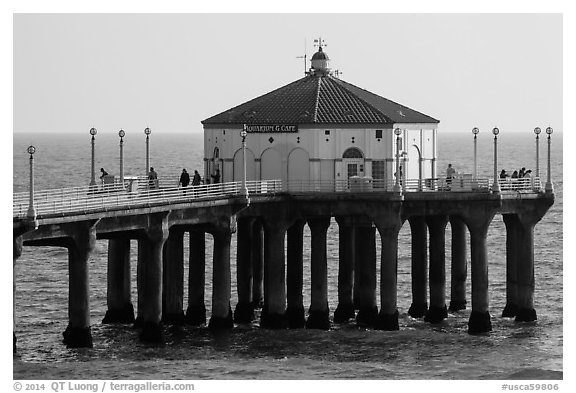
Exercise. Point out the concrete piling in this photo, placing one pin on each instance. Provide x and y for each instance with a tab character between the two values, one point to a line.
419	261
345	309
140	272
173	284
221	281
196	311
118	294
525	272
244	311
512	224
365	273
318	317
153	244
479	321
459	270
80	245
437	311
16	253
388	223
257	258
294	275
274	311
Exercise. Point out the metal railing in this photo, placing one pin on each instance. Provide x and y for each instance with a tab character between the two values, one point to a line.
459	184
137	192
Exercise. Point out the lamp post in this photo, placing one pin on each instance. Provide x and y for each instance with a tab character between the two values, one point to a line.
31	211
537	131
549	187
121	134
147	131
496	185
397	187
93	176
475	131
243	134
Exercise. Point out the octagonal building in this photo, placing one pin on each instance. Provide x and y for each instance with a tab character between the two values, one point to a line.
320	131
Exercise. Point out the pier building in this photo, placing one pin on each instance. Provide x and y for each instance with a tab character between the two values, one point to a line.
320	128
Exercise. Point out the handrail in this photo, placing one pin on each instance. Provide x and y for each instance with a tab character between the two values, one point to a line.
138	191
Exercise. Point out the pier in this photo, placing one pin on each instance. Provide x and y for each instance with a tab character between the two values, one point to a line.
268	223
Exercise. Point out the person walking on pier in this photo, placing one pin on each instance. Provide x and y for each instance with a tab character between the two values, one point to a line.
107	180
216	176
196	180
184	179
152	178
450	172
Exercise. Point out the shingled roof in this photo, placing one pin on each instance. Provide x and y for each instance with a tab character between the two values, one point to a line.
319	99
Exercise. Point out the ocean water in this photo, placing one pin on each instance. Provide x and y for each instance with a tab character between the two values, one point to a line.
418	351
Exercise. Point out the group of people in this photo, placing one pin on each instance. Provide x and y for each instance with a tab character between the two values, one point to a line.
185	178
519	174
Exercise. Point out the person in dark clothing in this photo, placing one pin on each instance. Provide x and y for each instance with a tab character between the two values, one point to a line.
153	178
216	177
521	173
196	180
503	174
104	173
184	179
515	175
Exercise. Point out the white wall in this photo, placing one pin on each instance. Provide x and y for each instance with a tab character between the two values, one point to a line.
320	148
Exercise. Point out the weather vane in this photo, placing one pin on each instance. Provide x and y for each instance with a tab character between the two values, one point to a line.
319	42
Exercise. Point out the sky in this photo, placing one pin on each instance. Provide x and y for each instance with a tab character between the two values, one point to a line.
169	72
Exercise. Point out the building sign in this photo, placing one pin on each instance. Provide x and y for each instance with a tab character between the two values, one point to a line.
256	128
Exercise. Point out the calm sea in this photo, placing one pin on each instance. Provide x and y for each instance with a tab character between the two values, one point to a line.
418	351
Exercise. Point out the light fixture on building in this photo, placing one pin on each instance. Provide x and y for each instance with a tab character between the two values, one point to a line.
243	134
397	186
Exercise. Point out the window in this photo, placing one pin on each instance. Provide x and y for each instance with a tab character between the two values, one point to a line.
327	132
352	153
379	173
379	134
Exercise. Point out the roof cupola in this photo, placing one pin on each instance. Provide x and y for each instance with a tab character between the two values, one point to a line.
320	61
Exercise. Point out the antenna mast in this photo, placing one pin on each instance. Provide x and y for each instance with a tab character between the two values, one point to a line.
303	57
